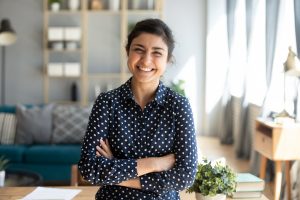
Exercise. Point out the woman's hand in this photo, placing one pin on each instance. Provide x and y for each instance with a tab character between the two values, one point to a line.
155	164
165	163
104	149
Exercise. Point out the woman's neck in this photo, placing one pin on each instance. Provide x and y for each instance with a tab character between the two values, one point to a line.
143	92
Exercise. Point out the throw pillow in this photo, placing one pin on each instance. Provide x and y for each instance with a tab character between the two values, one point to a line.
69	123
7	128
34	124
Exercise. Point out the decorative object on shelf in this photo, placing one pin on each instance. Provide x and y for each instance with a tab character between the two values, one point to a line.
7	37
71	45
291	68
73	4
72	69
135	4
55	5
96	5
55	38
97	89
74	92
72	36
214	180
150	4
114	5
55	69
3	166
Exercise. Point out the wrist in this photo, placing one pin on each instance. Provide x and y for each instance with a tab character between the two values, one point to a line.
147	165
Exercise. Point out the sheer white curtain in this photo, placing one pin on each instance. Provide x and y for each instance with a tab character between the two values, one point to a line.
247	44
235	68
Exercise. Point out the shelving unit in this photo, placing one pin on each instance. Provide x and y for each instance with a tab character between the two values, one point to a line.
102	55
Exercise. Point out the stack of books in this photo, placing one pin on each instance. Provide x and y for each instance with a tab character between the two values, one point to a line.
248	186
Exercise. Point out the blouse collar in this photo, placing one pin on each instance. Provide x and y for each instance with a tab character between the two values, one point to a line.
160	94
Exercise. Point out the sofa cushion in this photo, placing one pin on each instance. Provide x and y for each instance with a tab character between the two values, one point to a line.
14	153
52	154
8	109
7	128
69	123
34	124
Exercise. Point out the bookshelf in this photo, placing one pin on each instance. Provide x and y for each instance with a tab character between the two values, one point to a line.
101	48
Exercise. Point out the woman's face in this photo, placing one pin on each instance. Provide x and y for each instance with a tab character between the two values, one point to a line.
147	58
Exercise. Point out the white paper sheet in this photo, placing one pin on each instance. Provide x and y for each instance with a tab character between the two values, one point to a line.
45	193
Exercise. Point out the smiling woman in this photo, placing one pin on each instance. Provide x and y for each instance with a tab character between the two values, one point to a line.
140	141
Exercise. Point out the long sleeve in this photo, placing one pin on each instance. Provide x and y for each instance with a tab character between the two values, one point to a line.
99	170
185	148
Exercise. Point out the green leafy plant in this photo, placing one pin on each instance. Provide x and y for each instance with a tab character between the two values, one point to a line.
212	179
178	87
54	1
3	163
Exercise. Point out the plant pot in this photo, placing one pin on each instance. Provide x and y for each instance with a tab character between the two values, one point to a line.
55	6
73	5
2	178
216	197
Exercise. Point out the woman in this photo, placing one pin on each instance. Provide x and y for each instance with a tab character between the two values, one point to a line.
140	141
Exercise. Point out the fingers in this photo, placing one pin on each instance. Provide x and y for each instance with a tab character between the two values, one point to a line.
104	149
104	146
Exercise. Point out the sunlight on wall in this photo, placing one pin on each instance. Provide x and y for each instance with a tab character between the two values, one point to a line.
188	73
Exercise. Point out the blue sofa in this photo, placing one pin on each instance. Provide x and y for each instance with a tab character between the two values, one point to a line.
52	161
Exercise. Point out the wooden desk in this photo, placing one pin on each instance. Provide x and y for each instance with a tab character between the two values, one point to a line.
14	193
87	193
279	143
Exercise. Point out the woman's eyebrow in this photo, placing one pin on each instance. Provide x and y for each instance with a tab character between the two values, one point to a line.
154	48
138	45
158	48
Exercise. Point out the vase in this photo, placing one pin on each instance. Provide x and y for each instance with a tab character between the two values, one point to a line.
150	4
216	197
55	6
73	5
96	5
2	178
114	5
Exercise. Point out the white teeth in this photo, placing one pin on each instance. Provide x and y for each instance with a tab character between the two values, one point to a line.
145	69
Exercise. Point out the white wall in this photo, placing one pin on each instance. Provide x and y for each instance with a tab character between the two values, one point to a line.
187	19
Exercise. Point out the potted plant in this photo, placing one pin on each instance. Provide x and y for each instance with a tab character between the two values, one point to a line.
213	181
3	166
178	87
55	4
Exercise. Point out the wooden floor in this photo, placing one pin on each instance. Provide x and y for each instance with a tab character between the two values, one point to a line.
211	148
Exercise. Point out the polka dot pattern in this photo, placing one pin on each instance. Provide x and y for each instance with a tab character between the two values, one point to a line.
164	126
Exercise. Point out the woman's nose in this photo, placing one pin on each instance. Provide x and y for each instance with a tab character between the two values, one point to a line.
146	59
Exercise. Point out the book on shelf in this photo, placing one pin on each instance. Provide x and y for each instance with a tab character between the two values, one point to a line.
247	182
247	194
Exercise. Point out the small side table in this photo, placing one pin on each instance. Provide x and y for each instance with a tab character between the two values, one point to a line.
279	143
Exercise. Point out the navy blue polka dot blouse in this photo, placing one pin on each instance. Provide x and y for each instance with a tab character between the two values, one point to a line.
164	126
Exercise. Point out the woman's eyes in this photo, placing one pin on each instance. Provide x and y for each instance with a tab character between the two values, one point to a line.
140	51
157	53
